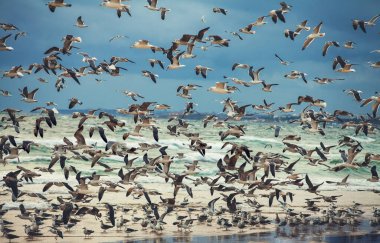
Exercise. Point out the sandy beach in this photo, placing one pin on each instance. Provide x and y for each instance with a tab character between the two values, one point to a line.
368	200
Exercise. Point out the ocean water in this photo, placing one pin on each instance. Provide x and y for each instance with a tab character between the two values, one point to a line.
258	135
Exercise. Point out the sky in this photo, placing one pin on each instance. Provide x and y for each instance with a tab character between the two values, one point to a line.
45	29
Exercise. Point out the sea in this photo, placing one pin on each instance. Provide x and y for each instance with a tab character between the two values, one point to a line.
259	137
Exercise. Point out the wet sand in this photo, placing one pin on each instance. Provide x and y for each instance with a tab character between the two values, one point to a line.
170	232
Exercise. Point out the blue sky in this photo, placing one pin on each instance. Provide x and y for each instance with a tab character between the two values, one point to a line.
45	29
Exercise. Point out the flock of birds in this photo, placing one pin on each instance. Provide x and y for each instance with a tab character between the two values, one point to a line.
264	167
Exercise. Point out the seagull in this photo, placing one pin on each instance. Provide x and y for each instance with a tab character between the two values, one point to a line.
220	88
202	70
373	20
295	75
376	102
238	81
240	65
142	44
374	64
327	45
185	93
73	102
316	34
28	96
80	23
3	45
285	7
152	62
267	87
354	93
150	75
189	51
201	33
220	10
51	103
287	108
174	60
260	21
362	23
5	93
340	183
116	37
116	4
162	107
6	27
56	4
277	14
255	75
152	5
14	72
302	26
216	39
326	80
87	232
89	60
163	12
132	95
312	188
283	62
185	90
67	45
345	67
19	34
290	33
246	30
349	44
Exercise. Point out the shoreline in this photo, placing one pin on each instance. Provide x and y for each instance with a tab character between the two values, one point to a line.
201	232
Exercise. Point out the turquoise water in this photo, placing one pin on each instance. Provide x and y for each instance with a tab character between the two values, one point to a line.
258	135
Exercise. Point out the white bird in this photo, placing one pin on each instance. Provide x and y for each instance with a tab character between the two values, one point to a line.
150	75
255	75
28	96
80	23
349	44
174	60
345	67
375	105
375	64
202	70
56	4
142	44
220	88
283	62
3	45
5	93
116	4
295	75
260	21
132	95
316	34
152	5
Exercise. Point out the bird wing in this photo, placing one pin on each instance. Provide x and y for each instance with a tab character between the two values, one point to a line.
307	42
317	28
220	85
308	182
374	172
